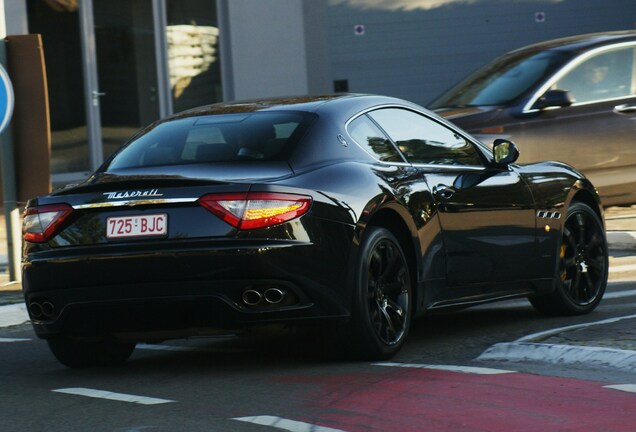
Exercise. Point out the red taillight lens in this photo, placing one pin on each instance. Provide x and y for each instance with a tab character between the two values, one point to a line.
42	222
256	209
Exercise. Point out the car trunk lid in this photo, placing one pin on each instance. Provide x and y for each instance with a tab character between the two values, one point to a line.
147	204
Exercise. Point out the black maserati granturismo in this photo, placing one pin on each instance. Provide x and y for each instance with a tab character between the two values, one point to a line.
353	212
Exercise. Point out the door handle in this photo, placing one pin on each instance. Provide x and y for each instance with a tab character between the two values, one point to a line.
443	191
625	109
96	95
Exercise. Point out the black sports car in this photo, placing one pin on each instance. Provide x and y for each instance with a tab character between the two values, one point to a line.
354	211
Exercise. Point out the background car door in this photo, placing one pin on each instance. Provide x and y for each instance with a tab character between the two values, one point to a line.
596	134
487	215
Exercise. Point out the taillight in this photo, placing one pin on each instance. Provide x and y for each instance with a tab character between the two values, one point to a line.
42	222
256	209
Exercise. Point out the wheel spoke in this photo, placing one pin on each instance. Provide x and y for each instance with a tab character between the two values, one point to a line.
568	263
590	288
396	309
376	264
393	261
569	238
595	241
595	263
574	286
581	226
384	314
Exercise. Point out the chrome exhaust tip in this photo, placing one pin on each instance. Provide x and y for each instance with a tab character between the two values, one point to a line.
35	309
48	310
251	297
274	295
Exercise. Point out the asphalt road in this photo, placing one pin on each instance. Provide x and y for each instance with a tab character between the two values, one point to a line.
265	384
442	380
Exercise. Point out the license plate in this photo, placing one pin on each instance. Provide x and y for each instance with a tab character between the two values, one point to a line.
136	226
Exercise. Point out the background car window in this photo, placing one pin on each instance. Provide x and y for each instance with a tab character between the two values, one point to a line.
371	138
422	140
219	138
501	81
607	75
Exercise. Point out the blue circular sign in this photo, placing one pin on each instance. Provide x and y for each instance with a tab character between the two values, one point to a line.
6	99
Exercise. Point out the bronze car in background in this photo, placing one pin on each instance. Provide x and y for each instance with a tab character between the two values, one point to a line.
571	100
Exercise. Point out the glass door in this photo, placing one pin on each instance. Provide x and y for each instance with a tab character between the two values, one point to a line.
113	66
126	69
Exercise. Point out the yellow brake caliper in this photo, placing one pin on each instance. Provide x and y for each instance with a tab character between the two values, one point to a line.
562	256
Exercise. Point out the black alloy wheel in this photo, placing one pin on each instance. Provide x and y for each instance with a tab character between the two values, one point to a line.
382	298
583	265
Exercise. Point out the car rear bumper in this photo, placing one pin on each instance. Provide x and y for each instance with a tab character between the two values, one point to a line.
186	290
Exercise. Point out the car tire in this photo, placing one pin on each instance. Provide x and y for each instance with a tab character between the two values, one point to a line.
76	353
582	270
382	297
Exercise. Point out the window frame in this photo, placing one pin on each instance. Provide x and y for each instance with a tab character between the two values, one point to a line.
483	151
572	64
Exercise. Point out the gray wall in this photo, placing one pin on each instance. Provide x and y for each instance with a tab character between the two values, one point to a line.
273	48
15	22
416	53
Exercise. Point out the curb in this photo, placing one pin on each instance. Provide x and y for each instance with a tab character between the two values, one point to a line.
622	240
532	348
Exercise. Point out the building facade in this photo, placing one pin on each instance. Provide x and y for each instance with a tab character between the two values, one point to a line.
113	66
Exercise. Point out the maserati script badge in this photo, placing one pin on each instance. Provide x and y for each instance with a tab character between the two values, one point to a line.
133	194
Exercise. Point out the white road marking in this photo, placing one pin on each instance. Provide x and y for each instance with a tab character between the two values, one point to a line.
528	348
14	314
101	394
622	268
451	368
630	388
285	424
619	294
9	340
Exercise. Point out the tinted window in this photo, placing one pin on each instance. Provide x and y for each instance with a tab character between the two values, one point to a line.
502	81
367	134
422	140
218	138
607	75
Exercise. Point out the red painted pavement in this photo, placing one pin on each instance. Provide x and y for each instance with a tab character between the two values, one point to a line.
427	400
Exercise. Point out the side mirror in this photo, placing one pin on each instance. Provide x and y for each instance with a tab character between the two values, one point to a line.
504	152
555	99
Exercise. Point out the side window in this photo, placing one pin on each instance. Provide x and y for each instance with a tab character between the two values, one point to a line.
423	140
370	138
607	75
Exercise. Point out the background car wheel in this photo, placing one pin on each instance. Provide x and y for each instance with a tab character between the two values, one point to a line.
582	272
382	299
76	353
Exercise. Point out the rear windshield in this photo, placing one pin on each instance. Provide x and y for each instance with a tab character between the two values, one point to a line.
260	136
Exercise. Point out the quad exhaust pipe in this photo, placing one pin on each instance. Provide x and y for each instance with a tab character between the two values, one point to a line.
42	309
252	297
271	296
